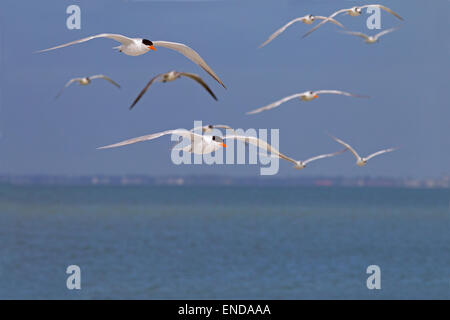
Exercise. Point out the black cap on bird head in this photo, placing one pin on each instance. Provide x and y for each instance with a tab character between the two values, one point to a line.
219	140
148	43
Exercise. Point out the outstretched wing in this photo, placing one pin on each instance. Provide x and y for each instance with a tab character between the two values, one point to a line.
271	151
340	92
143	91
379	152
383	8
117	37
200	81
349	147
67	84
101	76
330	20
179	132
358	34
324	156
281	30
189	53
275	104
382	33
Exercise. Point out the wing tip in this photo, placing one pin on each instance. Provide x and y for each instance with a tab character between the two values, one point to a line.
133	104
331	136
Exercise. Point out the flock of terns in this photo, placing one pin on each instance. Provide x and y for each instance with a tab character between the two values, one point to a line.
204	143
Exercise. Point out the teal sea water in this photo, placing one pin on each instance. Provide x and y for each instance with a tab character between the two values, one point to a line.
223	242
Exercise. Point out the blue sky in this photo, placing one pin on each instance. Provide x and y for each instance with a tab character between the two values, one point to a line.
406	76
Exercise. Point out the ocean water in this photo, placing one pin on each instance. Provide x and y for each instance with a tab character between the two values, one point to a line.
223	242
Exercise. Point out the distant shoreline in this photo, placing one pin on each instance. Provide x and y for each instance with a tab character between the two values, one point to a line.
210	180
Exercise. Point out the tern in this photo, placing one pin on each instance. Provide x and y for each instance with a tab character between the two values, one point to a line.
361	161
308	19
87	80
211	127
370	39
138	46
354	11
299	165
172	76
304	96
204	144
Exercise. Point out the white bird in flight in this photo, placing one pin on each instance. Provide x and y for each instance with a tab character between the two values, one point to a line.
138	46
87	80
172	76
361	161
299	165
204	144
354	11
308	19
304	96
211	127
370	39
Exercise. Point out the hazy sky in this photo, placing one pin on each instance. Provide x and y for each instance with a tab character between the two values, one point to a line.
406	75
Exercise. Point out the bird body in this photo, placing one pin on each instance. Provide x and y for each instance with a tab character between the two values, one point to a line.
170	76
360	162
308	96
354	12
84	81
309	19
207	144
134	48
370	39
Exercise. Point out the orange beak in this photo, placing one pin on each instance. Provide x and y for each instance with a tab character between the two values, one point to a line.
223	145
316	96
152	48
